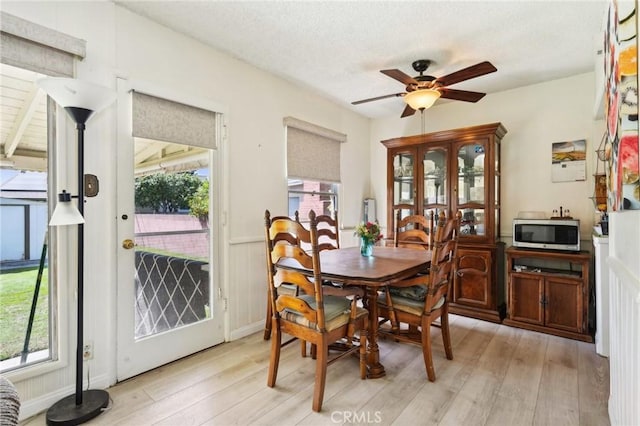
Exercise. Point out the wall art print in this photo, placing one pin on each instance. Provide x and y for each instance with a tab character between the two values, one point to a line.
568	161
621	101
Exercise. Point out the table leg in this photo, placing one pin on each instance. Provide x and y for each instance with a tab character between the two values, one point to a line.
376	370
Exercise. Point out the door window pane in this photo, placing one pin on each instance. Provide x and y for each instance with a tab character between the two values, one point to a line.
172	239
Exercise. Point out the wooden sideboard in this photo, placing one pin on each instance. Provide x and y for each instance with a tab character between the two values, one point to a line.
548	291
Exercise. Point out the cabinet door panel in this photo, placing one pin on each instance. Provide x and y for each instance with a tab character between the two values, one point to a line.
404	178
525	298
472	279
471	173
435	176
564	302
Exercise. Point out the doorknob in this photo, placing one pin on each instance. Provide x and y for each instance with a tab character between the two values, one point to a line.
128	244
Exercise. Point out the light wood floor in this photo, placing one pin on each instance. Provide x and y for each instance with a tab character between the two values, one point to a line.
499	376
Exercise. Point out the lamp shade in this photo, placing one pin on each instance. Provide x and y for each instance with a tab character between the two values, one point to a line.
70	92
421	98
65	212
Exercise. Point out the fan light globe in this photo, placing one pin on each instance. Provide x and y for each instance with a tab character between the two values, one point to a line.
421	99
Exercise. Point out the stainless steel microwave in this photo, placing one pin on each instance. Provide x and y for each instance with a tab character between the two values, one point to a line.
547	234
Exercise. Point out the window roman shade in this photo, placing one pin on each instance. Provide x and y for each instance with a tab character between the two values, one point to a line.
36	48
164	120
313	152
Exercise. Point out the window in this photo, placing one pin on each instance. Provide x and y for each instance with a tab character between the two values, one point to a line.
313	168
28	171
26	288
306	195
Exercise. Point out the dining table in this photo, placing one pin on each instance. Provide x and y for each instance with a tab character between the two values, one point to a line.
386	266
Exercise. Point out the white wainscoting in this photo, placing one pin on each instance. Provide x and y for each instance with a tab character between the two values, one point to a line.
247	294
624	309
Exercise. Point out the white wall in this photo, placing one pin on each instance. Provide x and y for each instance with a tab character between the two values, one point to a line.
535	117
121	44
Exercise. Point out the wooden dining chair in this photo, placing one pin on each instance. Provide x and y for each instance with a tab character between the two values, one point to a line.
328	239
420	300
414	231
328	231
310	315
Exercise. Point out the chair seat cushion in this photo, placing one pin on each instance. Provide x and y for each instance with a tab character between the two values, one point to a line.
406	304
285	288
415	292
336	312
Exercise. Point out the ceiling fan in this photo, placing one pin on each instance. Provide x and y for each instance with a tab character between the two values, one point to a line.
423	90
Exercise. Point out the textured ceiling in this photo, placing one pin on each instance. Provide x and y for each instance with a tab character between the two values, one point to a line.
337	48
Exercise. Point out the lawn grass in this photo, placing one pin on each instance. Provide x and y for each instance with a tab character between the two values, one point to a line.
16	294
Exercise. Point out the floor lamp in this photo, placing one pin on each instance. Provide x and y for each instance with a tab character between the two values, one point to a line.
81	100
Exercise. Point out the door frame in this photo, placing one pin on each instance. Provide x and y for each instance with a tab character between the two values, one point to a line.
217	332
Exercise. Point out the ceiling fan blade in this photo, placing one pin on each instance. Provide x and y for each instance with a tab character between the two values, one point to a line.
460	95
407	112
400	76
395	95
467	73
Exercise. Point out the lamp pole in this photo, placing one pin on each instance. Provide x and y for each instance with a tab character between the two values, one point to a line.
80	116
69	93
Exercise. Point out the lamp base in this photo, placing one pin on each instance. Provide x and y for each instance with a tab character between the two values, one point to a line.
66	412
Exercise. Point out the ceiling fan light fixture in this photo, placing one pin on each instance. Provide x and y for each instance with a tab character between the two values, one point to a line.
421	99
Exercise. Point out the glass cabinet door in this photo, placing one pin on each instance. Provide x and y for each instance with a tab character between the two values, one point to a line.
403	179
435	187
471	188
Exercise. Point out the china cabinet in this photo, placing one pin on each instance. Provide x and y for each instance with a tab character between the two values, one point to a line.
456	170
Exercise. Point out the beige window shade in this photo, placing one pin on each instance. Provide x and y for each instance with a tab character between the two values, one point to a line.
164	120
34	47
313	152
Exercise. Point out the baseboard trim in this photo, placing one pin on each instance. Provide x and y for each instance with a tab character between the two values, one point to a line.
245	331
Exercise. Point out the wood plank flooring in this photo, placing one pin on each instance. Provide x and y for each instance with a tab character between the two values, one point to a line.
500	375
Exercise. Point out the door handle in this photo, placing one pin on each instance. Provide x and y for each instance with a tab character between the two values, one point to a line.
128	244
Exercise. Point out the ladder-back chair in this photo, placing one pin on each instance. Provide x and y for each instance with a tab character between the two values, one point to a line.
328	239
420	300
310	314
414	231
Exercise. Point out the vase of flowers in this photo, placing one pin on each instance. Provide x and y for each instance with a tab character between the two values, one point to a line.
369	233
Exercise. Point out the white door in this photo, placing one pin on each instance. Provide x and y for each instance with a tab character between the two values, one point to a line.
169	294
